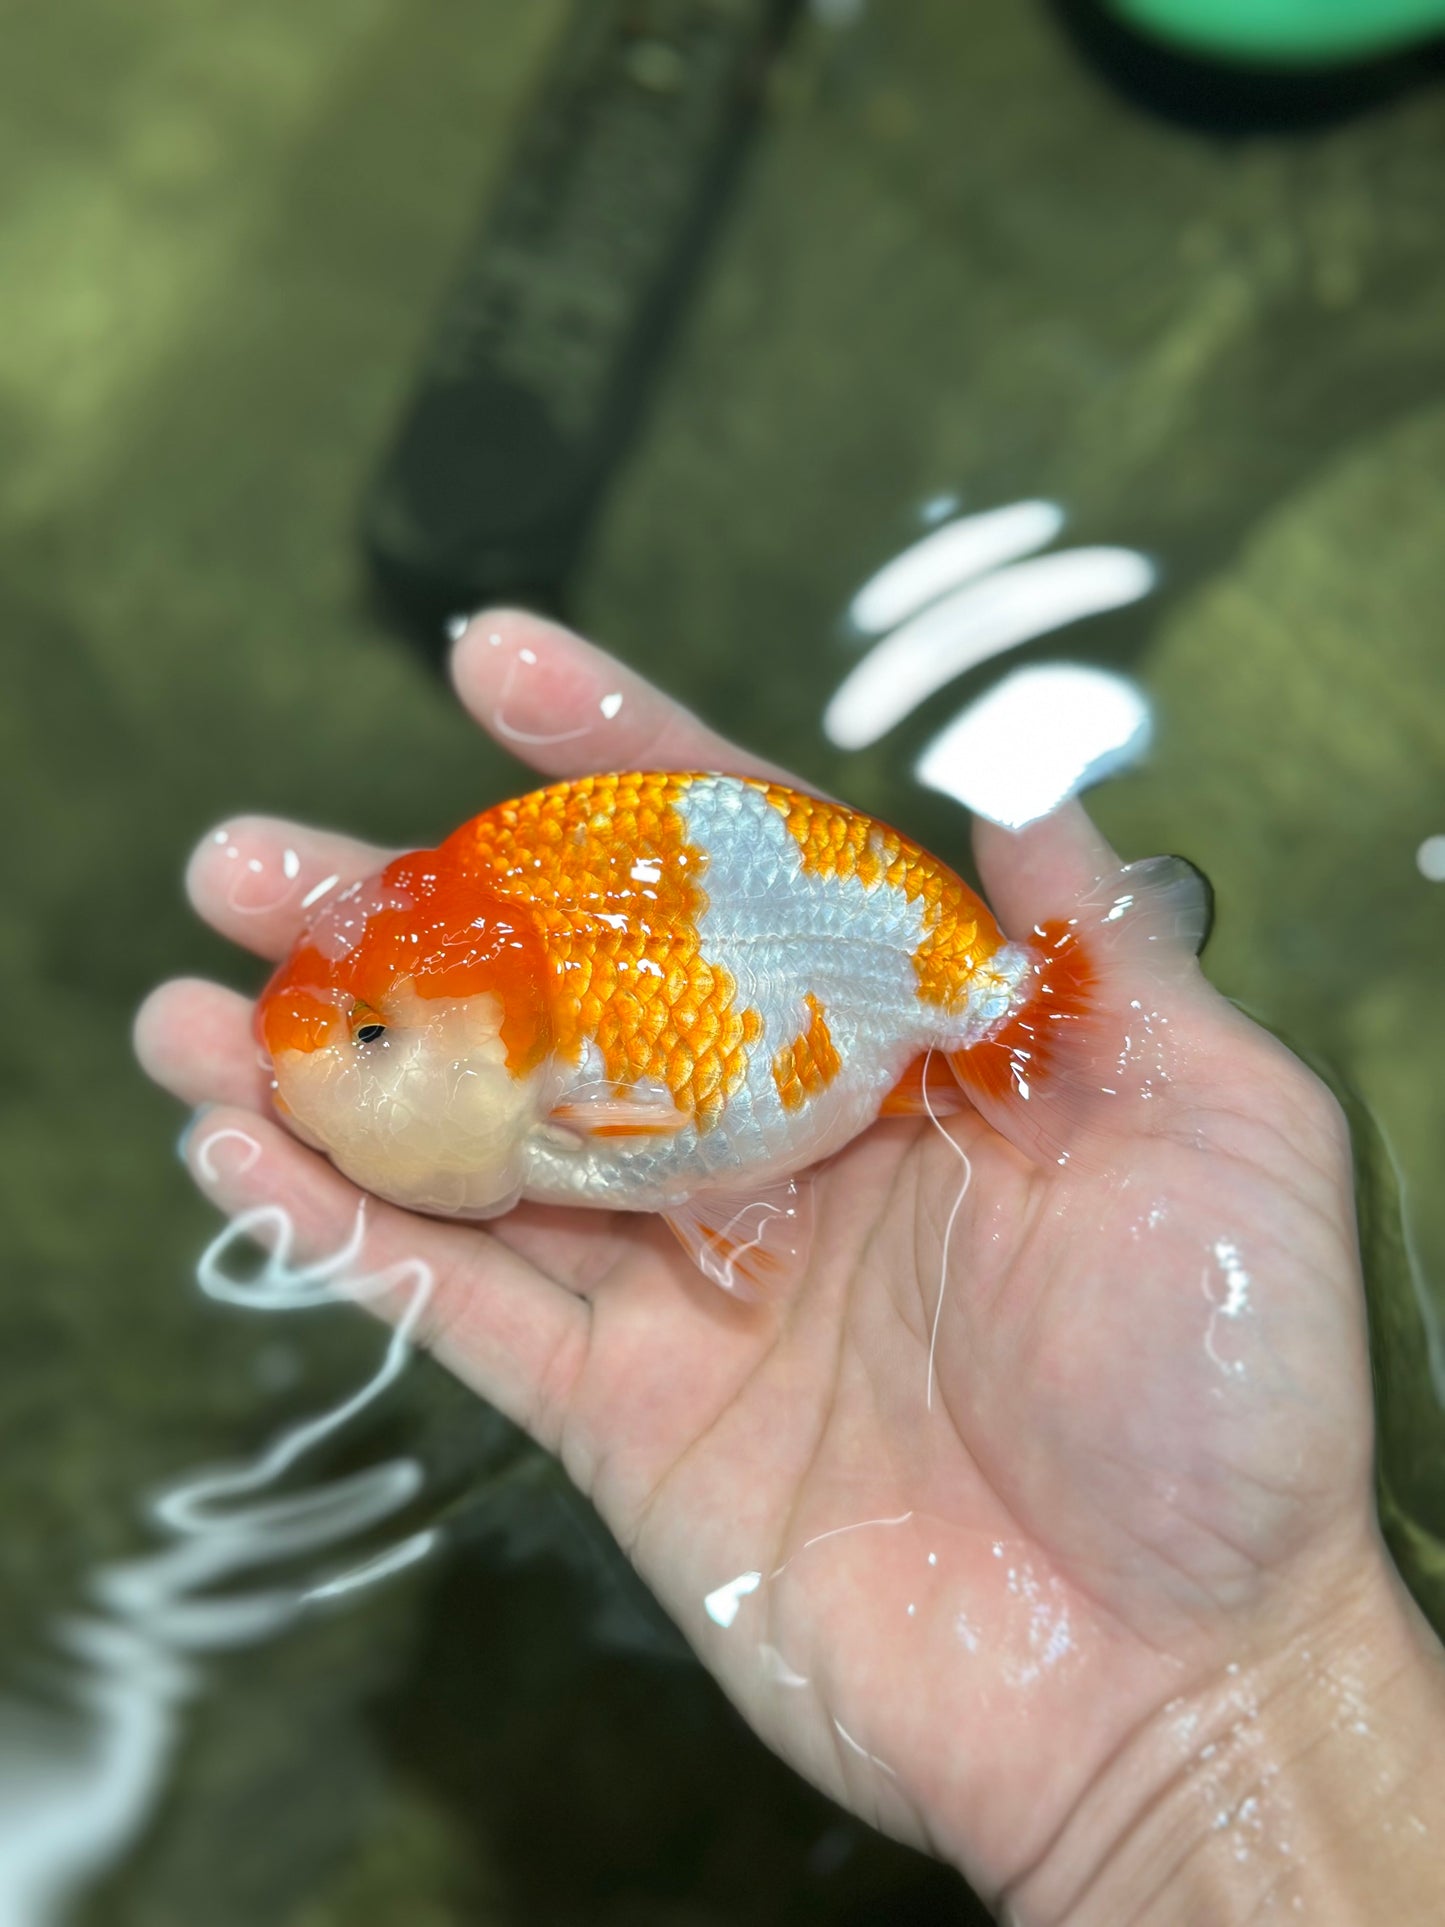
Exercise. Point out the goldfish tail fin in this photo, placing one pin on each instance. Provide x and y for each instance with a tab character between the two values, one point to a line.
1064	1074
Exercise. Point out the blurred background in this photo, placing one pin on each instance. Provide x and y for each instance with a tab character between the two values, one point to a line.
685	318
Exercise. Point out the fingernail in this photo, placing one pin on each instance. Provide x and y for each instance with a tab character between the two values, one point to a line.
257	887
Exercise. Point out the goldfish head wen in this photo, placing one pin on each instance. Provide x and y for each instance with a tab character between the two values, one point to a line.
408	1036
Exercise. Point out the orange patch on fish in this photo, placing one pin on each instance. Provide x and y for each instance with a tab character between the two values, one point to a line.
421	922
841	843
810	1063
581	857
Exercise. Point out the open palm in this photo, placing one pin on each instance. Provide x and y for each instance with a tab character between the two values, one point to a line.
954	1559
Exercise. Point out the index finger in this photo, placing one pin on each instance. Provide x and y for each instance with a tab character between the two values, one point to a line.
570	709
257	879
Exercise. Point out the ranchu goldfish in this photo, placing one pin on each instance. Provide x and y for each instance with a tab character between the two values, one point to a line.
658	992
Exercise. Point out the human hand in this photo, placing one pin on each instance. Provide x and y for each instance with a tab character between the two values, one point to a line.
996	1572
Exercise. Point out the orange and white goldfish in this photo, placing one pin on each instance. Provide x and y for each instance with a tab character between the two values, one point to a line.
657	992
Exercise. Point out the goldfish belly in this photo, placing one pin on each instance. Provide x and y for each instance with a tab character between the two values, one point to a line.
825	965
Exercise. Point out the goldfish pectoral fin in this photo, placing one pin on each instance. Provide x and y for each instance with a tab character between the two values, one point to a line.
926	1087
754	1243
614	1110
1084	1059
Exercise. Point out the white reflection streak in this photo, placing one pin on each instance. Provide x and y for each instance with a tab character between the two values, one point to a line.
1036	739
949	556
721	1604
395	1559
973	623
73	1794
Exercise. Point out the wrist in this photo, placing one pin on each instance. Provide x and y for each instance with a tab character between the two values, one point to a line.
1304	1779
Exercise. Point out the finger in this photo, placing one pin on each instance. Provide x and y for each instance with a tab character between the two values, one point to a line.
570	709
194	1039
1042	871
255	879
514	1336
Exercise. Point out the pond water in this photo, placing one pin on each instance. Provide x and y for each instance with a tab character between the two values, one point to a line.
966	274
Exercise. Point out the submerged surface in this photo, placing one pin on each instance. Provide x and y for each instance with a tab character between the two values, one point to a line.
961	274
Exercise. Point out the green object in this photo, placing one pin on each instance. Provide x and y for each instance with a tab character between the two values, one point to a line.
1287	32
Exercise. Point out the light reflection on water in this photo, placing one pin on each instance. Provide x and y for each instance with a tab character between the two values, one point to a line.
973	589
80	1776
1037	738
962	548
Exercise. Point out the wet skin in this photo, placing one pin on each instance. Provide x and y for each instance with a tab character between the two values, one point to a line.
1098	1611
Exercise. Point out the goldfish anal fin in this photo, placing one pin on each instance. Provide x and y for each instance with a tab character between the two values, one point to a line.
909	1098
753	1243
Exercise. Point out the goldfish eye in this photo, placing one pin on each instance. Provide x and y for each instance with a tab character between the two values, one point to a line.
368	1033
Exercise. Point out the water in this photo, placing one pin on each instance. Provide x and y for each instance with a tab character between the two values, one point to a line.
962	276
